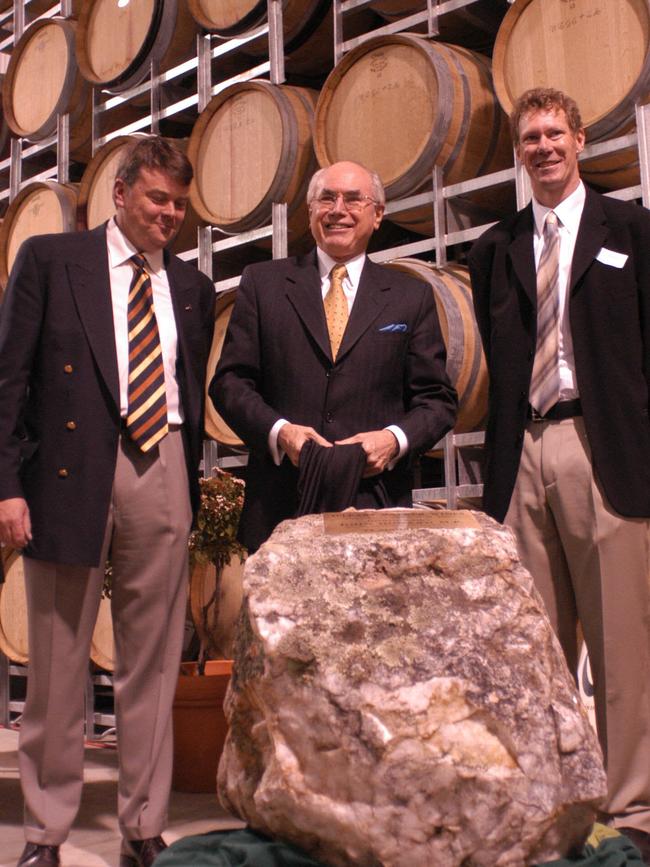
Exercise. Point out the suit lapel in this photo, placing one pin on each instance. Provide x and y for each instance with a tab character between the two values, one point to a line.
304	293
185	301
90	285
592	233
372	296
522	255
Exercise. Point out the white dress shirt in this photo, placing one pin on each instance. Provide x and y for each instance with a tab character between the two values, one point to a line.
569	213
121	272
354	267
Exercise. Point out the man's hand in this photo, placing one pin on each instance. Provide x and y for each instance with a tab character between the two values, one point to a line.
292	437
380	446
15	523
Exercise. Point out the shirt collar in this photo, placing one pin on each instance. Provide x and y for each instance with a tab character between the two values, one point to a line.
354	266
569	211
120	249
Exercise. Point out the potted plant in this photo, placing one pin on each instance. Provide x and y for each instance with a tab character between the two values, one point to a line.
213	548
199	722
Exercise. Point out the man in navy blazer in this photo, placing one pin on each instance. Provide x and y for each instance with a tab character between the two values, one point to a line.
76	487
280	382
573	481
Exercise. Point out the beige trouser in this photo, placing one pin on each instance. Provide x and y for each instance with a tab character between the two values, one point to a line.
591	564
147	530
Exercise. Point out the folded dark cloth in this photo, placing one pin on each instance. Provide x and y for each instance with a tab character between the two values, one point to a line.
329	477
247	848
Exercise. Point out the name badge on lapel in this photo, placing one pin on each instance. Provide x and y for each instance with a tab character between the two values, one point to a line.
611	257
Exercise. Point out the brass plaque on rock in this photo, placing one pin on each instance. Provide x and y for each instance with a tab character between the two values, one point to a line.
389	520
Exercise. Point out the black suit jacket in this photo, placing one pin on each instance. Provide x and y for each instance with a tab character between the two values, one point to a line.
59	391
276	362
609	314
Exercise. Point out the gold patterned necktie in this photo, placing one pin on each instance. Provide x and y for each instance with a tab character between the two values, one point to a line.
146	420
336	308
545	382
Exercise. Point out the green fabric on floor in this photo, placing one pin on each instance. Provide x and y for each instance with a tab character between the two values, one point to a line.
242	848
246	848
615	851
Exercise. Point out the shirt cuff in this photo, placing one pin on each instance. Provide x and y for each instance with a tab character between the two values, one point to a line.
402	441
276	453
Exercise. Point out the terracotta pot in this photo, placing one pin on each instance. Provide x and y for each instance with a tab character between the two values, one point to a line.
199	725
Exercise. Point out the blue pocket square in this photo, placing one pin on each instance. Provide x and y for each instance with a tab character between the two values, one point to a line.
394	326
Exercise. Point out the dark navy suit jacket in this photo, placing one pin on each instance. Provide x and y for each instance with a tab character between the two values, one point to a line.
609	314
276	363
58	365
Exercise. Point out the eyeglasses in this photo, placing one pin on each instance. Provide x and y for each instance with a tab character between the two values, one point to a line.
351	201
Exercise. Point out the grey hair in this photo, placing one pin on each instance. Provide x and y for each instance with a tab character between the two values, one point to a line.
376	185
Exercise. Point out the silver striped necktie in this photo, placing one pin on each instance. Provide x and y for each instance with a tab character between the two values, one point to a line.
545	381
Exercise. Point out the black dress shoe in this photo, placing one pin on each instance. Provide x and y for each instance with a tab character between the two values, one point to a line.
141	853
641	840
38	855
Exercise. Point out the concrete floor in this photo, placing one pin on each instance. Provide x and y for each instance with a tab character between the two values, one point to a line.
95	838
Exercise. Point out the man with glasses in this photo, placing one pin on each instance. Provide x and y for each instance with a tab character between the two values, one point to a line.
332	348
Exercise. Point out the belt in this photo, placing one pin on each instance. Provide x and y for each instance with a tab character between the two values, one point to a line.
561	410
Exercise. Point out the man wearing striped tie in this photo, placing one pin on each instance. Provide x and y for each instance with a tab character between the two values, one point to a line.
104	339
562	298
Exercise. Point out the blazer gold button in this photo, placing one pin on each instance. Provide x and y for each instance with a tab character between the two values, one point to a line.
68	368
71	425
63	473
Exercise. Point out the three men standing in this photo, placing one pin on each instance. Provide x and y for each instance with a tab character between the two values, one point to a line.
104	340
562	298
101	410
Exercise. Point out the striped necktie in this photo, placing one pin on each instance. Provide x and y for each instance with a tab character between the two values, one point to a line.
336	308
545	382
146	421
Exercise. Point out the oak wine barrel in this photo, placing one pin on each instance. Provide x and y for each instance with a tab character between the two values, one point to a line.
596	51
237	17
466	366
586	683
215	427
252	146
116	42
473	26
96	185
307	24
43	80
102	646
13	618
13	608
401	104
40	208
219	619
38	7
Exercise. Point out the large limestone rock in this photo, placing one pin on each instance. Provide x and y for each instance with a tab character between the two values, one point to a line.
400	699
